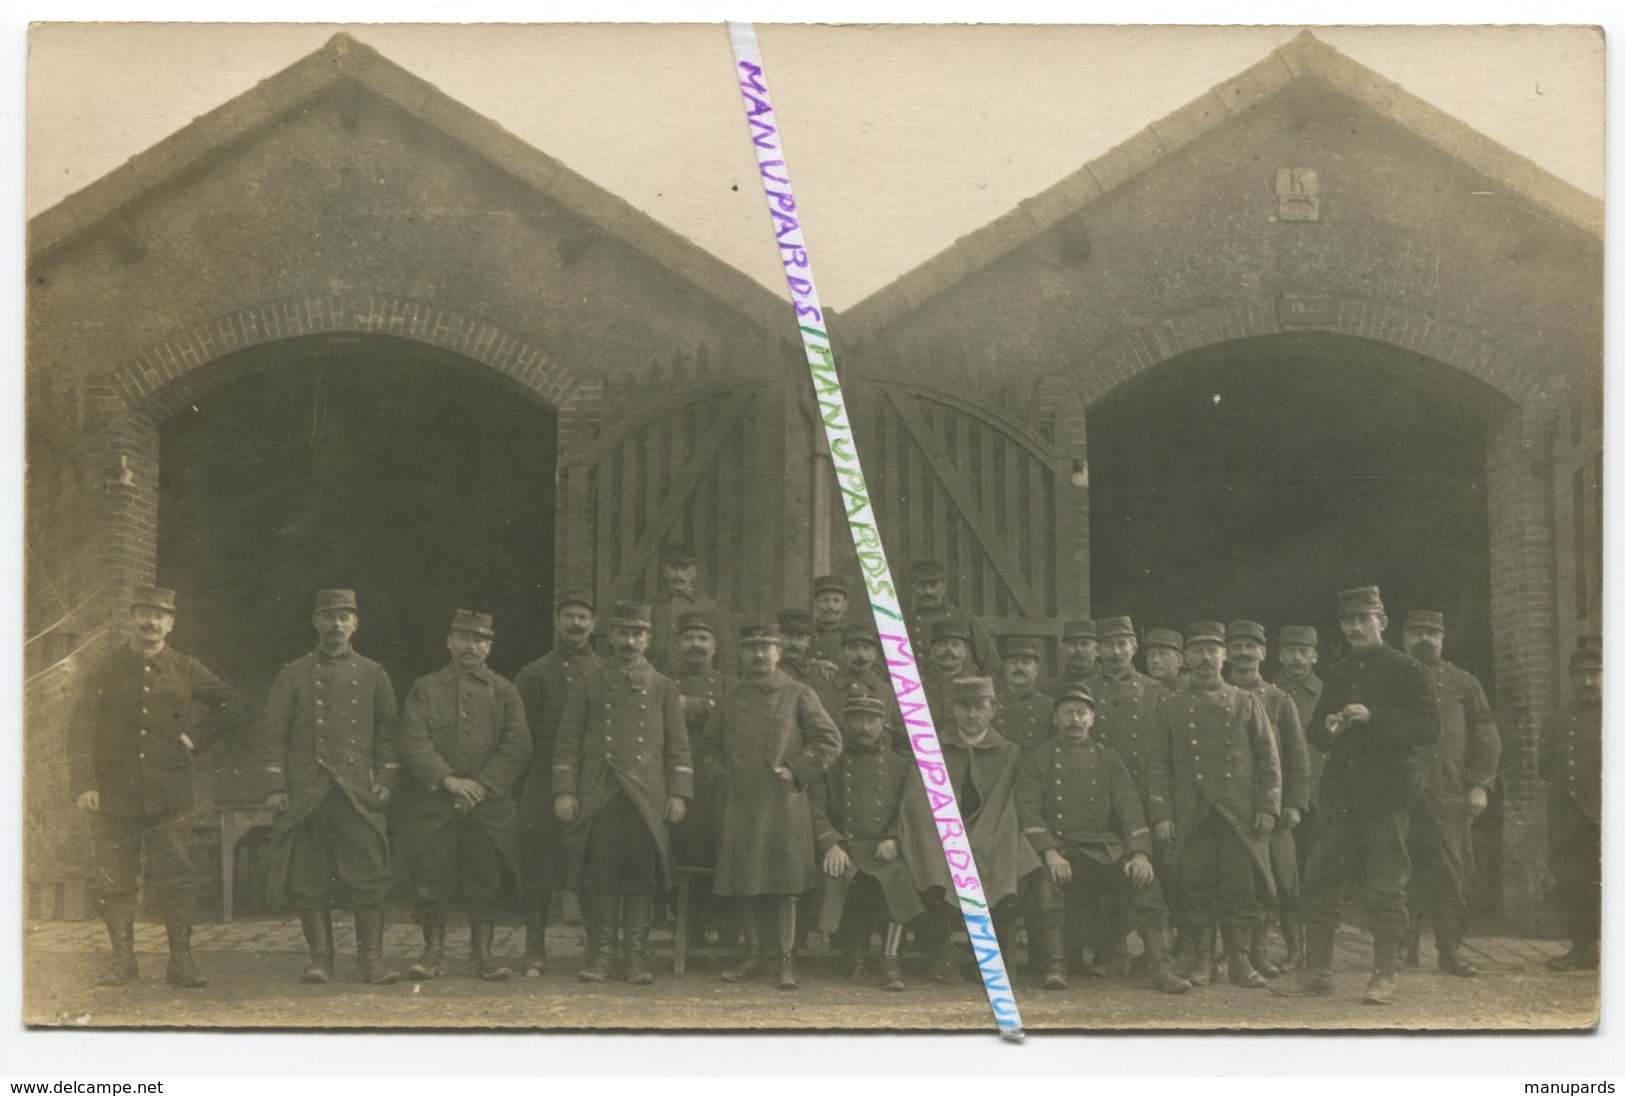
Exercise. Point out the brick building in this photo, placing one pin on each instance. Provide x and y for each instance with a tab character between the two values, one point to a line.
1305	332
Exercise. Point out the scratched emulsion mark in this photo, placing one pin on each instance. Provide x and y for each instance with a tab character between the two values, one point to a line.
860	519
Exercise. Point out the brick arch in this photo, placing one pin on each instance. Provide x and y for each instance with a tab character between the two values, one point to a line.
171	373
1139	349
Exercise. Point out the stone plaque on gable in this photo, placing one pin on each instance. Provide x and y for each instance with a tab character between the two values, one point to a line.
1297	192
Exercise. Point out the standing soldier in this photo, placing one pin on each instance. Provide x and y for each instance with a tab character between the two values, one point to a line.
982	767
796	635
544	686
1125	709
694	840
1456	776
1083	816
1081	657
1375	716
1246	650
857	811
767	742
679	594
928	603
1571	763
464	741
141	712
1298	650
862	674
1165	658
950	660
329	747
1025	715
831	597
1215	781
621	774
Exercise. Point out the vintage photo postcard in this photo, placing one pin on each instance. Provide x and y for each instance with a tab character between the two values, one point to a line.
441	610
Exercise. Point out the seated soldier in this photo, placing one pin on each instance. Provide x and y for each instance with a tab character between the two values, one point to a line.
1080	811
980	764
857	809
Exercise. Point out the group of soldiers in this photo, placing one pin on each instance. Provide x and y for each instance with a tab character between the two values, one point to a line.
770	763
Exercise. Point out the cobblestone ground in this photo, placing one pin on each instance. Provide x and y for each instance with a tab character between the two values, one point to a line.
255	968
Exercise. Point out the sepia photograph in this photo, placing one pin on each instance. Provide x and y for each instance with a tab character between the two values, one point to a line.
440	605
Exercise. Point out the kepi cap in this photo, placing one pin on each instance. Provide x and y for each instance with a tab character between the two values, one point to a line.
949	629
757	632
575	597
678	553
1204	631
1020	646
1361	599
1164	637
464	620
1077	629
1247	629
1425	618
335	599
630	614
1075	691
1107	627
1300	635
694	622
796	622
926	570
859	701
153	597
860	633
971	688
834	583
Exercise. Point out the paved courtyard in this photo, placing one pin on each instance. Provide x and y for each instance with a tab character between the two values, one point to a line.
255	968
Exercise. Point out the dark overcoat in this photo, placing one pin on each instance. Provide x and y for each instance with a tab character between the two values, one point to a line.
1124	714
543	687
857	804
1374	766
765	837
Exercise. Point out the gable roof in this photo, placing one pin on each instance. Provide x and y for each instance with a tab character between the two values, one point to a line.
1304	58
345	60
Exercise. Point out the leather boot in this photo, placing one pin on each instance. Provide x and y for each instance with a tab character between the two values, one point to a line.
598	917
748	959
853	961
1380	990
639	915
1159	972
1411	943
1259	952
369	947
432	964
1202	962
1314	978
891	974
1182	956
536	938
1292	933
486	965
1447	935
121	970
1238	940
182	971
786	910
318	926
1054	934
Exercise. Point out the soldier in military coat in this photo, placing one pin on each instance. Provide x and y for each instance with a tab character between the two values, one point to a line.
328	743
1215	789
141	711
1246	649
981	766
1297	649
463	741
621	774
1165	658
1457	772
544	685
796	637
857	812
831	599
680	593
929	603
1376	715
768	740
1083	816
1024	714
1125	706
1080	656
1571	763
949	660
694	839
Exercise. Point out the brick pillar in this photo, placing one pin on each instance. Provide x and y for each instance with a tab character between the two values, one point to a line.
575	524
129	526
1523	618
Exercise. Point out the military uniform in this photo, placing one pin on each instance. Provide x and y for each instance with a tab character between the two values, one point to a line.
138	720
469	724
984	654
1169	638
1213	768
1305	697
1071	672
328	741
858	804
1025	720
1440	839
827	638
623	752
1571	763
765	840
694	839
1078	799
544	685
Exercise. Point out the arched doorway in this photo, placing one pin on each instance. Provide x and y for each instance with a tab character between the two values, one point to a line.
420	478
1257	477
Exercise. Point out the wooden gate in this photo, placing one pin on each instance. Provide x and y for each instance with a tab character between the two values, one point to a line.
705	468
964	484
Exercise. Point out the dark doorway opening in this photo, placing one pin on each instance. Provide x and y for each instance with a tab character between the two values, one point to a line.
1257	478
420	479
